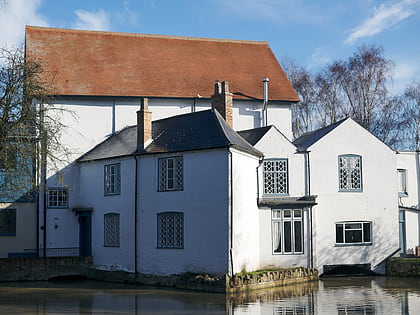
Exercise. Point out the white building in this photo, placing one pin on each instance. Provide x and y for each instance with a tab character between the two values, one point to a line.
189	190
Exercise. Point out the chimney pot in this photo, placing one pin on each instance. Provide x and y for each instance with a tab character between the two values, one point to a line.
222	101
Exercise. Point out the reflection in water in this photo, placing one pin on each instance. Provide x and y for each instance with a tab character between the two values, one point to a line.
342	296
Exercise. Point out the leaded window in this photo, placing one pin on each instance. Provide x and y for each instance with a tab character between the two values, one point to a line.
287	229
350	172
170	228
112	179
7	222
112	230
57	198
171	173
353	233
275	176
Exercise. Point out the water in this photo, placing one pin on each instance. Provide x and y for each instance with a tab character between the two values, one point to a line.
341	296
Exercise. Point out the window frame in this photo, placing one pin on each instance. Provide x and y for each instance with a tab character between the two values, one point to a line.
274	174
108	240
112	181
58	190
162	241
171	178
351	189
402	182
363	241
13	213
281	220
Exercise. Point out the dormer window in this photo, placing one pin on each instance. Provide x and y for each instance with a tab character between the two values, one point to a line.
275	177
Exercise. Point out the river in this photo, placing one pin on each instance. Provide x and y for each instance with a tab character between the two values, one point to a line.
340	295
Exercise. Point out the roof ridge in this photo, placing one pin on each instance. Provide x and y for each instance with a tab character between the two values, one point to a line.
160	36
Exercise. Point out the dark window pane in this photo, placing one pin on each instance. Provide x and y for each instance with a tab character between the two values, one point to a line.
298	236
339	233
287	237
366	232
354	236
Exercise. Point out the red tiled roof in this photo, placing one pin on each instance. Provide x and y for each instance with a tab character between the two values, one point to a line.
124	64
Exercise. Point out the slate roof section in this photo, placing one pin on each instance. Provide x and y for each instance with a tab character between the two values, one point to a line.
201	130
254	135
93	63
308	139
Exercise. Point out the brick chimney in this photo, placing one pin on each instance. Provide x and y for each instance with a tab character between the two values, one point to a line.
222	100
144	124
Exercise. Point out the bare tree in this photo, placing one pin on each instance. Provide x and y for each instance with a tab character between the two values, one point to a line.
302	81
356	88
411	114
29	128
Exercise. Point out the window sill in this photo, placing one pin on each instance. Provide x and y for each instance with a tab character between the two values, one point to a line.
169	247
288	254
353	244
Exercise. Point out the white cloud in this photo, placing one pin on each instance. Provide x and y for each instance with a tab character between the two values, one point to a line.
384	17
319	58
13	18
86	20
405	72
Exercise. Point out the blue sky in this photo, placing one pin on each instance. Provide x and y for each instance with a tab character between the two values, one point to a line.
313	33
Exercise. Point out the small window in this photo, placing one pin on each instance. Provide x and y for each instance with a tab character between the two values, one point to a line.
275	177
353	233
112	230
8	158
402	180
112	179
7	222
171	173
350	172
57	198
287	229
170	230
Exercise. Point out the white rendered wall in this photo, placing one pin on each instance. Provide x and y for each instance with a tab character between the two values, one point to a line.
89	121
26	229
377	202
245	221
275	145
92	195
204	201
66	234
410	162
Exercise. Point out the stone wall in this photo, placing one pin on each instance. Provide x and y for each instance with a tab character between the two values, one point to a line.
403	267
270	279
33	269
221	284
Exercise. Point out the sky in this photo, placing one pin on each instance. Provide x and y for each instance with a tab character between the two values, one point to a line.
312	33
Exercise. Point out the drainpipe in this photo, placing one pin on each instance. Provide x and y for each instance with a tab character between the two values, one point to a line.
231	212
113	117
308	193
265	104
135	215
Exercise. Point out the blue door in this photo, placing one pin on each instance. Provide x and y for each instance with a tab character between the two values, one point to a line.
85	233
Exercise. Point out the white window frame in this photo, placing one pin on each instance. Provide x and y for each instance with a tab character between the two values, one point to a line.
288	221
58	198
170	173
350	173
275	175
112	230
112	179
402	183
344	239
170	230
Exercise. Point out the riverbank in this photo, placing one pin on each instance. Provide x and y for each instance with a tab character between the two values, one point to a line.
404	267
43	269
